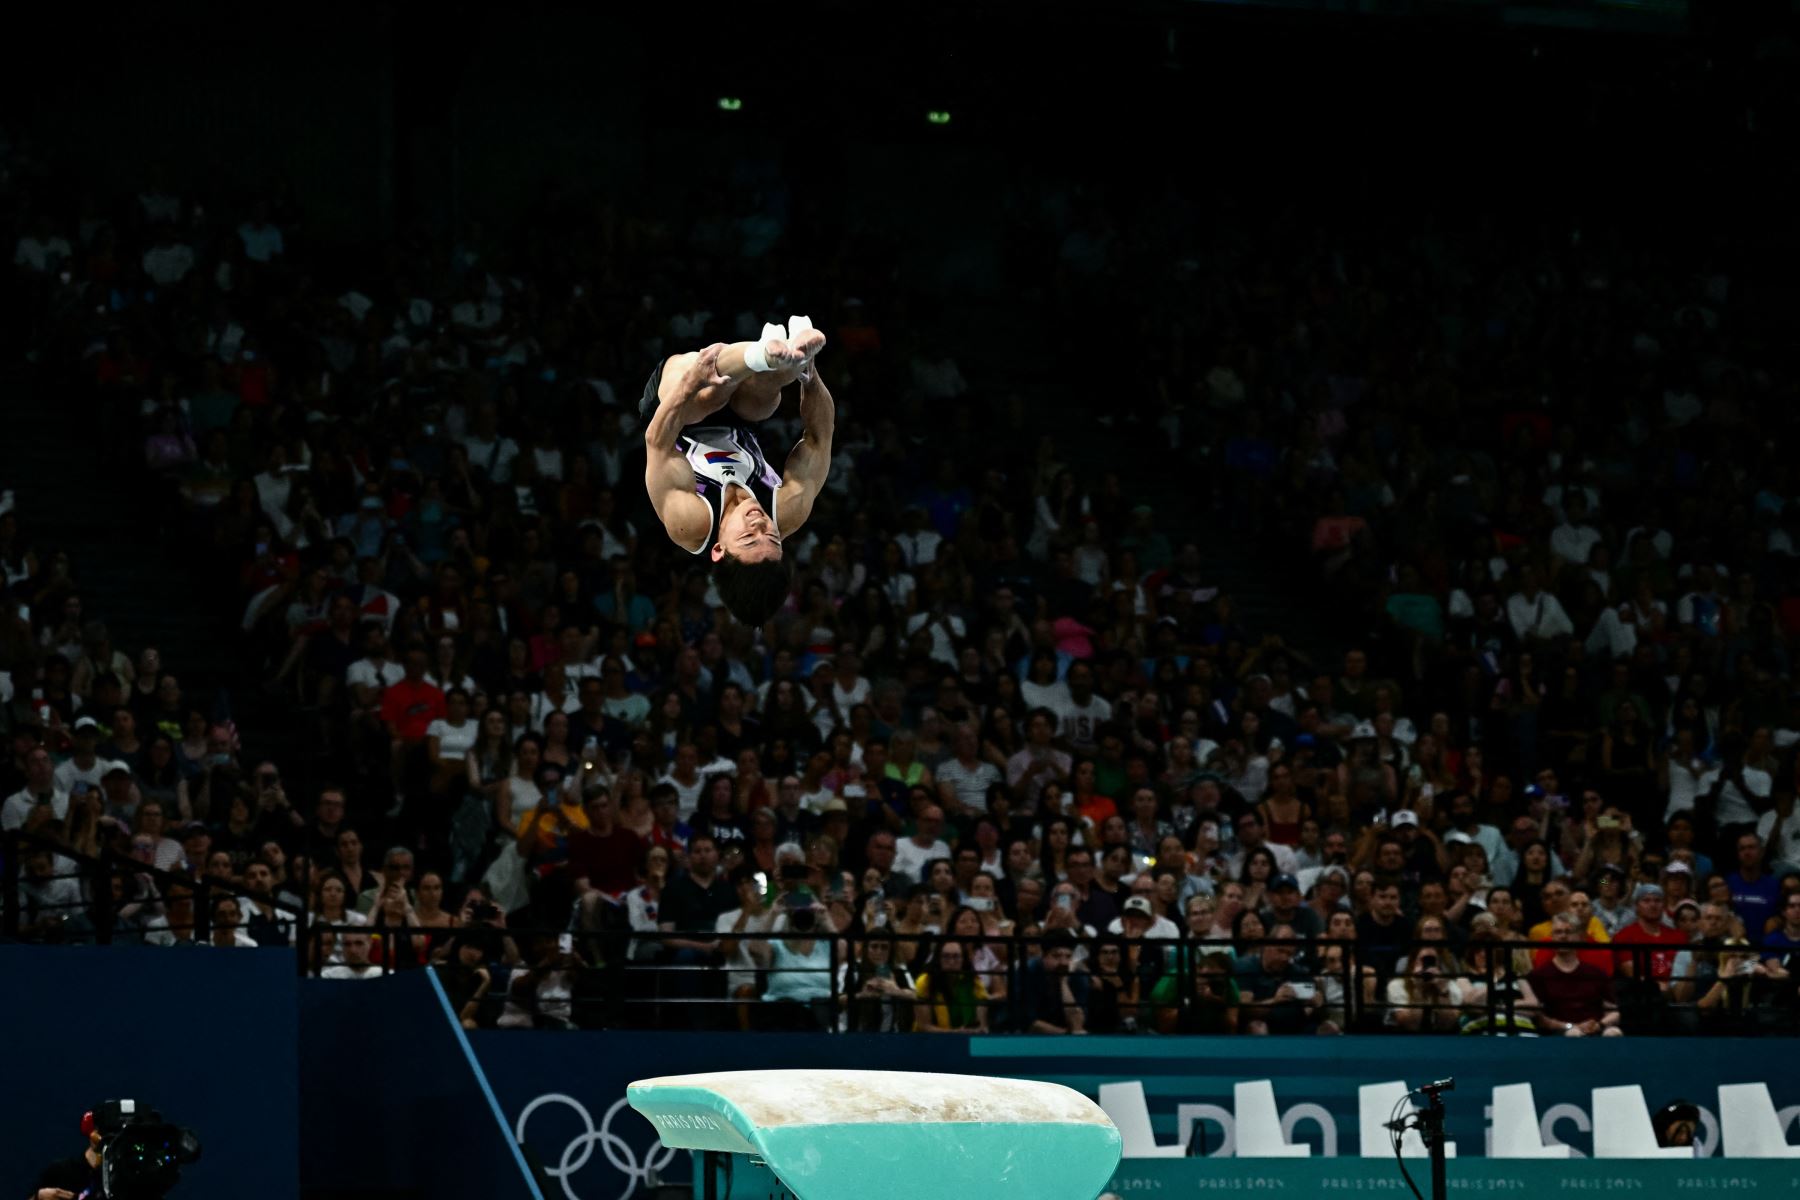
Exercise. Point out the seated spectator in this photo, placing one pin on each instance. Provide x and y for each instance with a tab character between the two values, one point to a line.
467	978
1650	929
951	996
329	911
1696	968
265	924
227	928
1283	906
354	961
1052	998
1209	1004
879	995
1426	996
1381	934
543	997
1278	994
799	973
1738	1000
1115	984
1508	1003
603	857
1576	996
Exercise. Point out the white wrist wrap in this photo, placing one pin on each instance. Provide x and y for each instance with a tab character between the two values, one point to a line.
754	357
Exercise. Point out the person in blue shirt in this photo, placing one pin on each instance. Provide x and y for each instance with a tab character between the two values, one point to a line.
1755	894
1783	945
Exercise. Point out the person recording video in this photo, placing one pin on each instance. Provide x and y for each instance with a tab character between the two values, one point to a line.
79	1175
131	1151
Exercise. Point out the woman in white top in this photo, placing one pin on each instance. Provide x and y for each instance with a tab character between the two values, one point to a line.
519	792
489	760
449	739
643	902
445	671
228	924
1057	507
331	907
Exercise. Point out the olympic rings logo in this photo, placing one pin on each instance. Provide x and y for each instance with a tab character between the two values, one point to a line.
619	1152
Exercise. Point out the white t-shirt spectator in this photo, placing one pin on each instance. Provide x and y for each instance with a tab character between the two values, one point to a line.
1541	616
1571	543
898	587
970	783
847	700
910	857
1686	786
634	709
37	254
1160	927
945	631
741	965
1043	695
59	895
261	242
168	854
380	676
168	264
1735	807
69	773
814	802
494	457
542	706
18	806
689	793
1787	850
346	971
919	548
1079	724
454	741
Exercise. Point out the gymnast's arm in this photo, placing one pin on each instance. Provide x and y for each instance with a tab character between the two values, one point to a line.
809	462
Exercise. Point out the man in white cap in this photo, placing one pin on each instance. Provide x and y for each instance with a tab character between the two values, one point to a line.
85	765
1138	919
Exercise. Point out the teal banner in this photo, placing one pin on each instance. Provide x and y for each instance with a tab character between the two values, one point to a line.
1187	1127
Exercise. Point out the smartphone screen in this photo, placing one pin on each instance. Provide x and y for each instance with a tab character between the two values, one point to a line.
565	943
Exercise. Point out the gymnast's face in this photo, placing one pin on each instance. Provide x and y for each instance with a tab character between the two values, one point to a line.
746	533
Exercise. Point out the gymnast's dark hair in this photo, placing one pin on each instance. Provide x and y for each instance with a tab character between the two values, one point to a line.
753	591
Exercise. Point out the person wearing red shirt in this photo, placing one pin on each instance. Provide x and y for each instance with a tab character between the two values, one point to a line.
407	709
604	857
1576	997
1649	930
1090	805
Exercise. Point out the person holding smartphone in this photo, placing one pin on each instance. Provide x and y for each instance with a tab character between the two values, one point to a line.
1278	994
1427	997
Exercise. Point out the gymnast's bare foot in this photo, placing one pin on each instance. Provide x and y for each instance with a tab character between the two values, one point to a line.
807	342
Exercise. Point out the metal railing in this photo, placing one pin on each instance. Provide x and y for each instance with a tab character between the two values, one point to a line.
622	978
604	974
70	898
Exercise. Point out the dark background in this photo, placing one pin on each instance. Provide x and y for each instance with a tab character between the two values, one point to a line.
380	116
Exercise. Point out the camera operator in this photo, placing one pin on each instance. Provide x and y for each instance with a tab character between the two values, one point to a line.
131	1151
79	1175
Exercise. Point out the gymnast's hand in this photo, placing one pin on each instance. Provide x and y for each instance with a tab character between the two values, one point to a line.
703	391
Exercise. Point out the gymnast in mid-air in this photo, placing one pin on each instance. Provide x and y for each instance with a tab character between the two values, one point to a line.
713	490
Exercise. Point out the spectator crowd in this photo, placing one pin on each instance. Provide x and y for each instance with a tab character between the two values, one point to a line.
1008	757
